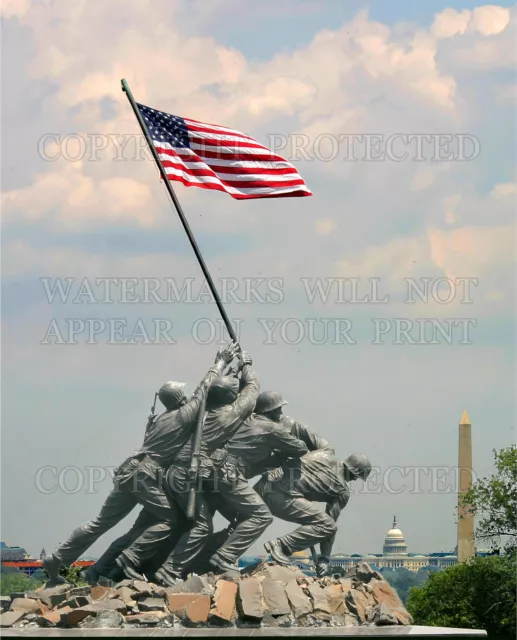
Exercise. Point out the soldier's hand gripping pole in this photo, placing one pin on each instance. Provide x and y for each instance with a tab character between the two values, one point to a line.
153	409
194	461
315	558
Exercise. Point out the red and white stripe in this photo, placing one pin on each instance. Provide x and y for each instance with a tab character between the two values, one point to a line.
227	160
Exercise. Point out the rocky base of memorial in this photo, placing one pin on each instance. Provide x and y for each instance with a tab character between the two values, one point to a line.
268	595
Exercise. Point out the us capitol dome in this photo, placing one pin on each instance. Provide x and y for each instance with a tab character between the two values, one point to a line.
394	556
394	542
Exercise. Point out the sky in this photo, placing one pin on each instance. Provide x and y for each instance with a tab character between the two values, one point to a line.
425	234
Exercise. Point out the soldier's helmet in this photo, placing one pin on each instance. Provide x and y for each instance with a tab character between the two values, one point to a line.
223	390
269	401
171	394
358	465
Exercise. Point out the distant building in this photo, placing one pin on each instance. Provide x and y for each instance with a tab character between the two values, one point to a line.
12	558
11	554
303	561
394	556
394	542
246	561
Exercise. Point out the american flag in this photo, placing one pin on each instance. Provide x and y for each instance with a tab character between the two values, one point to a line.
214	157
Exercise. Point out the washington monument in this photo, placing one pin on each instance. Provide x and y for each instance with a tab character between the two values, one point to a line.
465	518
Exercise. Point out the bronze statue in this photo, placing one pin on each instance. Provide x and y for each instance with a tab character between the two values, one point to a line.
138	479
243	435
230	402
316	477
264	441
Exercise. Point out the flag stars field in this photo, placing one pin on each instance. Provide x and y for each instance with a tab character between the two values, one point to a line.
210	156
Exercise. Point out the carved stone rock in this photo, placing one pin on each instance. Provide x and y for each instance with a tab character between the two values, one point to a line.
104	620
148	619
189	606
26	605
75	616
223	609
319	599
250	599
260	599
335	600
152	604
300	603
275	598
383	593
10	618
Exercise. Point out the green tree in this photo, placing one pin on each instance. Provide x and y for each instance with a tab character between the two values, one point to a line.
494	501
403	580
479	594
16	581
72	575
39	575
428	569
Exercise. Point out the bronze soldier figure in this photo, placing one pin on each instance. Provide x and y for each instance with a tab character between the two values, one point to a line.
269	405
138	479
107	565
229	403
264	441
316	477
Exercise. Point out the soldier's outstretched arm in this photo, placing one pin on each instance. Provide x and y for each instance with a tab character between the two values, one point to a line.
334	509
243	406
287	445
189	411
283	446
303	433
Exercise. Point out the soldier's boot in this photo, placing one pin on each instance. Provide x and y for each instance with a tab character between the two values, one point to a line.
114	573
90	575
51	565
95	573
128	568
276	551
221	565
165	577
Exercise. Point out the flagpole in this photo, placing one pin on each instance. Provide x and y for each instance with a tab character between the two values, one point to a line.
168	186
190	235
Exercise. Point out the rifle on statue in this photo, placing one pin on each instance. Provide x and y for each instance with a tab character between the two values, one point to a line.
315	558
152	415
193	472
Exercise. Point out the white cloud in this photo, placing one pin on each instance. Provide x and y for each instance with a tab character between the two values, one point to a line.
398	259
449	23
364	62
449	204
423	177
282	95
472	250
21	259
14	8
490	20
68	198
324	226
504	190
483	253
